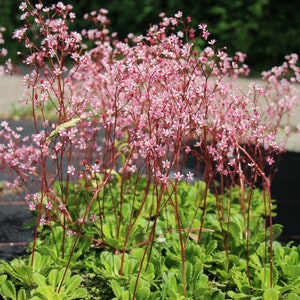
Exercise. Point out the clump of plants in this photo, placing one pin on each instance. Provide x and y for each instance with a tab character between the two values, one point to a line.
118	215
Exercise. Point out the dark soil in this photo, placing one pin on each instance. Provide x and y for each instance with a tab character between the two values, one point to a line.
14	218
285	190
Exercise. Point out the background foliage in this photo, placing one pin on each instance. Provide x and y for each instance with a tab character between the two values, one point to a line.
264	29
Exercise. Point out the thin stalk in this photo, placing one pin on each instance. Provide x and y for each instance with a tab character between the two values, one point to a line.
149	242
182	244
80	229
133	222
267	189
247	233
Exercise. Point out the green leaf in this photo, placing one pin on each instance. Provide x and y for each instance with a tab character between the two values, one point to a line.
64	275
36	267
218	295
237	227
117	264
277	231
129	266
53	278
234	295
279	254
42	288
126	296
255	260
293	258
240	279
18	270
3	279
265	277
172	283
8	289
40	261
202	285
210	247
156	296
138	253
114	243
117	289
189	272
143	293
292	296
142	290
63	126
148	271
73	283
270	294
262	252
292	271
21	295
80	293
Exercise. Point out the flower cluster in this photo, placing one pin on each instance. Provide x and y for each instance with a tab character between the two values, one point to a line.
143	105
163	94
18	156
51	35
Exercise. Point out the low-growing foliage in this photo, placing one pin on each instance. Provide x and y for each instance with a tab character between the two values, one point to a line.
107	178
210	272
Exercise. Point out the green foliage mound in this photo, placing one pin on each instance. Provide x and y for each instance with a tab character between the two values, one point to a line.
158	268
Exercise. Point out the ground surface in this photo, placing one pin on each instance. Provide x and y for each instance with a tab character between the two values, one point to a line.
14	217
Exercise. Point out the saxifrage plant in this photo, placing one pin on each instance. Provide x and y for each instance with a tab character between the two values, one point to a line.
130	114
240	272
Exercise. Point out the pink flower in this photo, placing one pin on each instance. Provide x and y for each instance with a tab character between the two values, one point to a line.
164	179
187	149
62	208
166	164
19	33
178	176
190	175
93	217
202	26
49	205
39	6
178	14
70	233
71	170
270	160
23	6
31	206
43	221
72	15
205	34
60	5
180	34
95	168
